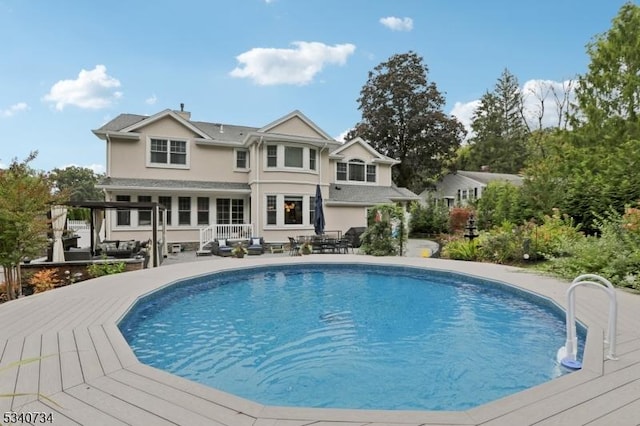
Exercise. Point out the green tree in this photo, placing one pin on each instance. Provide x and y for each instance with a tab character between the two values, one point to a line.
608	95
25	199
500	131
80	183
593	168
500	202
402	118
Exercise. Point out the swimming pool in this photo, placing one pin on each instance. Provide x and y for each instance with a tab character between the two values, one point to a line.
350	336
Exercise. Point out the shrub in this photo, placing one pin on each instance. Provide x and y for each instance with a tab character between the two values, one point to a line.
459	248
458	217
99	269
429	219
500	201
614	253
44	279
385	234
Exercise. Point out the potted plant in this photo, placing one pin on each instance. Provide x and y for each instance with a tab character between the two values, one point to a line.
306	248
239	250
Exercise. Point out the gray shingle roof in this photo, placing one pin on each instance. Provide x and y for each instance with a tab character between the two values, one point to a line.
122	121
171	184
368	195
485	177
229	133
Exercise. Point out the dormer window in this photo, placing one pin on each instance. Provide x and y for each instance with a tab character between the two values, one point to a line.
356	171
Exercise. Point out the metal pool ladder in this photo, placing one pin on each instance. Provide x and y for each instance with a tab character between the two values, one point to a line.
567	354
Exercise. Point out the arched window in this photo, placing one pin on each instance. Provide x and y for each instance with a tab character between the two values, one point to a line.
355	170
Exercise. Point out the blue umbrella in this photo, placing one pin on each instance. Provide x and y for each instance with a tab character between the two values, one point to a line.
319	213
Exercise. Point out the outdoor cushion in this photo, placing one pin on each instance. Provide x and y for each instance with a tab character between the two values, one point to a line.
255	242
222	243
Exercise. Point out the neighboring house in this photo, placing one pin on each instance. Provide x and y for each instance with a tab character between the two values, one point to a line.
226	181
461	187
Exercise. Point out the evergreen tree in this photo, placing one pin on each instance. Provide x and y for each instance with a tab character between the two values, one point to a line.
402	118
500	131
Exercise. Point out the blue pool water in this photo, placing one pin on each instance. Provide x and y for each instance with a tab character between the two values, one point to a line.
350	336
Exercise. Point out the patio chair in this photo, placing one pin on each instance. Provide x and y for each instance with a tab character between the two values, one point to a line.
256	245
221	248
294	247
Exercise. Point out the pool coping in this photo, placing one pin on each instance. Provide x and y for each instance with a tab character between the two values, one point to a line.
102	360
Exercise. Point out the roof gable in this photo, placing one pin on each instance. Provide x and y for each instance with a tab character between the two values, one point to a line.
164	114
296	123
364	144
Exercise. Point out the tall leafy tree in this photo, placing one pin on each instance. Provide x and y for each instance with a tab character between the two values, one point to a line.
608	94
499	127
593	167
402	118
25	199
80	183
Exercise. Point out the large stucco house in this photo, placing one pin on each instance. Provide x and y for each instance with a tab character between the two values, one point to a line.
220	180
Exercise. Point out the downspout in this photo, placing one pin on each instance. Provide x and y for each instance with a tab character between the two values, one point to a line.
258	211
107	196
108	154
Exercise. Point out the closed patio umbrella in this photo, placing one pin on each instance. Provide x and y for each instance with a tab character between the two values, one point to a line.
319	213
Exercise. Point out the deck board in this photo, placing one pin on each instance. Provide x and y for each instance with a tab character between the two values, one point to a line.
70	367
29	373
185	399
59	419
122	410
629	415
81	412
162	408
108	358
92	377
89	361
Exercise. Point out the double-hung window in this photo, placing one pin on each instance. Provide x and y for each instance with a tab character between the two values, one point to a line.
272	156
272	213
123	216
144	215
371	172
242	159
167	152
203	210
184	210
312	158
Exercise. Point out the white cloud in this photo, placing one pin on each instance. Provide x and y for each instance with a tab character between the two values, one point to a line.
298	66
464	111
97	168
342	136
152	100
533	91
92	89
13	109
397	24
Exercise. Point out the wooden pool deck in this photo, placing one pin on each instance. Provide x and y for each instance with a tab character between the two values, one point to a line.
84	373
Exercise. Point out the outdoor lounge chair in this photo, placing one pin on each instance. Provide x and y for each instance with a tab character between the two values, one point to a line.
221	248
256	246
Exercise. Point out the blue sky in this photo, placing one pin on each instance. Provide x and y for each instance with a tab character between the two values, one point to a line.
67	67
